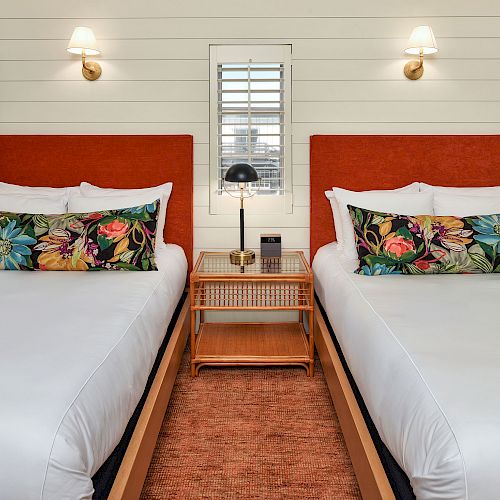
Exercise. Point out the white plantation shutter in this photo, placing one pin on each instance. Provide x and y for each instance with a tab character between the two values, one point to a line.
251	124
250	119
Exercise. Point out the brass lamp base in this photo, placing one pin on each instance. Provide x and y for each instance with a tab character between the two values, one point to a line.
242	257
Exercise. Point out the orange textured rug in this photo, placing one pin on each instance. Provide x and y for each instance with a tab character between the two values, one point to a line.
250	433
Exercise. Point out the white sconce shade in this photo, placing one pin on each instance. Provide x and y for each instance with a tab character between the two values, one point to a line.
422	38
83	42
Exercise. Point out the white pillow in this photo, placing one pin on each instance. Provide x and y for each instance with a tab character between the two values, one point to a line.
472	191
337	219
388	201
463	205
22	203
83	204
36	191
414	187
135	197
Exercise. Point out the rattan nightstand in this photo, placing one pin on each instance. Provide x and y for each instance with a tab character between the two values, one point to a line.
272	284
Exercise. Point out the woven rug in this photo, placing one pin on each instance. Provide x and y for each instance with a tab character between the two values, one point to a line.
250	433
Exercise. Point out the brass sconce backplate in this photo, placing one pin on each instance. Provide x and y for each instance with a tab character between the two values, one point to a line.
414	70
91	70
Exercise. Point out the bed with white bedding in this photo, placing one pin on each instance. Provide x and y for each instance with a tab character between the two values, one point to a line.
425	354
88	342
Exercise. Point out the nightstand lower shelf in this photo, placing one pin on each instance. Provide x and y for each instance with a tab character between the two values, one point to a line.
233	344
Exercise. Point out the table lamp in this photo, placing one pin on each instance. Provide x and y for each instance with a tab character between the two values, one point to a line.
242	173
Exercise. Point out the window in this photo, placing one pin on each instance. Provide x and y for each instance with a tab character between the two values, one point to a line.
250	122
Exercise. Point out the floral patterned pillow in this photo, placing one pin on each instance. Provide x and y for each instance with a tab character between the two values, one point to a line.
111	239
425	244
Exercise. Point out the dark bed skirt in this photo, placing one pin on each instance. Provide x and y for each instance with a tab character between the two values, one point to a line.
103	479
397	478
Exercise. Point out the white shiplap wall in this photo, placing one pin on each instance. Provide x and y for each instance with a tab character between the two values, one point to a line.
347	77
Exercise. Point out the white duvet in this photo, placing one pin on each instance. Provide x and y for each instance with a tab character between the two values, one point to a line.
425	354
75	353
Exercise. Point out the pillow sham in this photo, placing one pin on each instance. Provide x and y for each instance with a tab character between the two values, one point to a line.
425	244
469	191
36	191
32	203
389	201
414	187
107	240
129	197
464	205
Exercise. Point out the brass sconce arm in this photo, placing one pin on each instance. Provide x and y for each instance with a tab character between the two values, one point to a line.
415	69
90	69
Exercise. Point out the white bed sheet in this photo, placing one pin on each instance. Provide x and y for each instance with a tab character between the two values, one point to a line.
75	353
425	354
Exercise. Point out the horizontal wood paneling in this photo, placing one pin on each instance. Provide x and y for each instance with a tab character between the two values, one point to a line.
198	130
139	70
402	90
173	112
225	237
250	28
299	218
241	8
316	112
304	70
399	111
435	69
347	77
104	90
303	48
379	48
303	131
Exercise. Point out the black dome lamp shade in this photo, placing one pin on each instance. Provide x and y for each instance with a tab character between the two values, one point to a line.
242	173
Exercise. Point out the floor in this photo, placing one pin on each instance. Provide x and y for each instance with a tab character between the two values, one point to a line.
250	433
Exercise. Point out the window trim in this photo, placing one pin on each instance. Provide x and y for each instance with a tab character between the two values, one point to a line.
265	53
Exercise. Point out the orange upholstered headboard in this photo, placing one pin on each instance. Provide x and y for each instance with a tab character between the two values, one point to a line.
121	161
361	162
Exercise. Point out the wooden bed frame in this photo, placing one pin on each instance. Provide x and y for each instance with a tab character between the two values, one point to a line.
134	467
122	162
382	162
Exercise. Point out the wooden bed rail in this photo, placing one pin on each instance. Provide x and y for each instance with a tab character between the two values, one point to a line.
370	473
134	467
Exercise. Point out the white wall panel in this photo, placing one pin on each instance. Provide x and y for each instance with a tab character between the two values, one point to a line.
243	27
303	131
104	90
176	112
299	218
391	69
198	130
380	48
402	90
347	78
111	70
303	48
398	111
242	8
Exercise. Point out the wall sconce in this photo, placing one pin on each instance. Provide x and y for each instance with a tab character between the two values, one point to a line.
83	43
421	42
